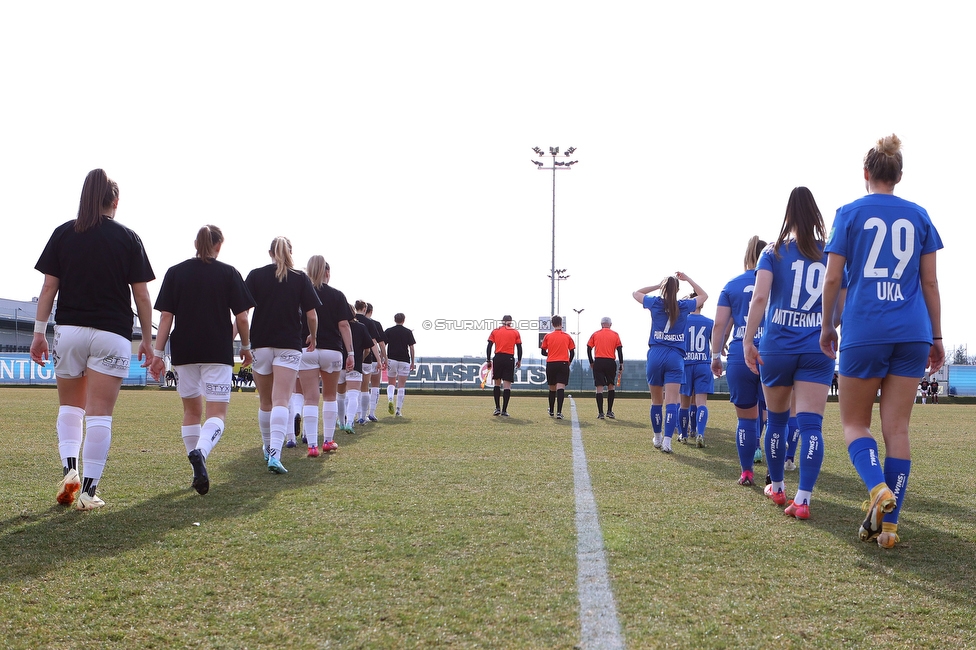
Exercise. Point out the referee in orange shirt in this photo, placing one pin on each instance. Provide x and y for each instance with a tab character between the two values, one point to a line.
604	343
559	349
506	341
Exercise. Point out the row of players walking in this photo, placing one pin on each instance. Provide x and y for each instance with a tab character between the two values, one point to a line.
874	277
303	333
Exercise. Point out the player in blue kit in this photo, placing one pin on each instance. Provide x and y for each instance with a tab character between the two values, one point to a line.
666	351
788	291
698	381
892	328
744	385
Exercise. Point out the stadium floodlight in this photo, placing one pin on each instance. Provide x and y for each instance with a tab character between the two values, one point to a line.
560	276
556	166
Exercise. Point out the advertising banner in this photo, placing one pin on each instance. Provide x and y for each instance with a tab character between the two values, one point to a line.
19	369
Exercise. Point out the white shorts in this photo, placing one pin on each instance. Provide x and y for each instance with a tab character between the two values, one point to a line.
396	368
77	349
266	358
212	380
324	360
370	368
350	375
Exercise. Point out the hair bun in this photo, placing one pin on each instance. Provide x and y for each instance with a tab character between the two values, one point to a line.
889	145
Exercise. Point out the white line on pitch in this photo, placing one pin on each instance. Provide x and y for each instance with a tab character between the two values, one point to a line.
598	613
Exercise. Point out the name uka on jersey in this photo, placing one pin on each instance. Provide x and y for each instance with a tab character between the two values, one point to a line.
889	291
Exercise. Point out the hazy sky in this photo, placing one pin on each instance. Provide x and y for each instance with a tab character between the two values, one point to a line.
395	139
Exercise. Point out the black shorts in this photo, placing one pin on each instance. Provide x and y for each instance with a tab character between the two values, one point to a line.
503	367
557	372
604	372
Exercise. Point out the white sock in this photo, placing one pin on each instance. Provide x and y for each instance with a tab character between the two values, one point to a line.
341	408
191	435
279	424
363	404
295	405
210	434
310	424
330	411
400	395
352	398
98	439
374	397
264	424
778	486
390	389
802	496
69	426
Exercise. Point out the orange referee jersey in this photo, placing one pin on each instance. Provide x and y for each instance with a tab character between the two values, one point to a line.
505	340
604	343
558	344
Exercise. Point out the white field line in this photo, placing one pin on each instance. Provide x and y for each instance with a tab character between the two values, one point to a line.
598	612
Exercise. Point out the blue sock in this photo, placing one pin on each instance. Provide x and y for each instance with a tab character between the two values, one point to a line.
760	424
670	419
864	457
811	449
693	419
656	417
776	444
745	442
702	419
896	471
792	437
682	421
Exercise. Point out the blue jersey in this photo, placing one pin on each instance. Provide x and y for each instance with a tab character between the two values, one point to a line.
794	312
671	335
698	339
736	296
883	238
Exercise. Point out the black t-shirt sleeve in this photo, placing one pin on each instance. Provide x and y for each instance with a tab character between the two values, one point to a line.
310	299
139	268
240	298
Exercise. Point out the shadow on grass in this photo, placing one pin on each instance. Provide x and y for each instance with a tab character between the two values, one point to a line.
38	544
942	562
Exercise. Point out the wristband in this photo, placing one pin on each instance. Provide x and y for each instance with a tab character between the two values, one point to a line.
245	348
351	354
934	338
40	327
158	354
716	356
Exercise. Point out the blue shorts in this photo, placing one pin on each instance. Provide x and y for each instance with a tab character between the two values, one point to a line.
665	365
745	389
873	361
699	380
787	369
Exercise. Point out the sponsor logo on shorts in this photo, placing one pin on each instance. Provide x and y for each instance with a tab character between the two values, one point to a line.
291	356
116	362
218	389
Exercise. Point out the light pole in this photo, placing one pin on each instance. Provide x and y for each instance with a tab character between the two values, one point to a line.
560	276
579	355
557	165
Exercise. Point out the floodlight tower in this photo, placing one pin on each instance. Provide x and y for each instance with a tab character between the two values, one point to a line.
557	165
560	276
